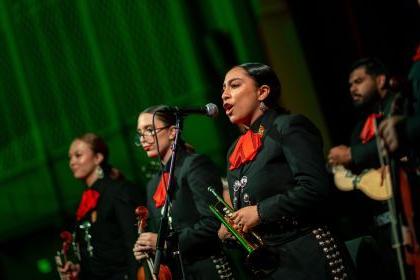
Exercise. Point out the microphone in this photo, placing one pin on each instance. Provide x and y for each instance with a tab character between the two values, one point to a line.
209	110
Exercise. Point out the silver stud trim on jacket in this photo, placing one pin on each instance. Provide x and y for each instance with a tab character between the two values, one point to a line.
222	267
334	259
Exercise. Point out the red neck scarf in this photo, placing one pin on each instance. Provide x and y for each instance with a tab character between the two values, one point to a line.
87	203
160	194
368	131
416	57
246	149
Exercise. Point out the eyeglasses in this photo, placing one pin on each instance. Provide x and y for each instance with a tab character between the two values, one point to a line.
148	132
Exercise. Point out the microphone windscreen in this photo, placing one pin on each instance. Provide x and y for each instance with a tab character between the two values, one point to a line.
212	110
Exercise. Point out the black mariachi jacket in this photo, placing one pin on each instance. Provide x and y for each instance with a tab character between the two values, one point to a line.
112	230
287	181
365	156
189	212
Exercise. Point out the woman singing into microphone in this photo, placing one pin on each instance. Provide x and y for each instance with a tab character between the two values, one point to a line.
277	179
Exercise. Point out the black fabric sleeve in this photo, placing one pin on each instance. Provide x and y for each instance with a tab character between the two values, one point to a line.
302	147
412	130
414	77
362	155
201	173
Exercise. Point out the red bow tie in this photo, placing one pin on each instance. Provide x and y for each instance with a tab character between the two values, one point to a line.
368	131
160	194
87	203
246	149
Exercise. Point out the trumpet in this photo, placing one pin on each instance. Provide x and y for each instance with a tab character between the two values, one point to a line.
250	241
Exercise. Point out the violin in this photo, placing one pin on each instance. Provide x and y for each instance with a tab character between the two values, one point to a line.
401	201
62	256
411	245
145	272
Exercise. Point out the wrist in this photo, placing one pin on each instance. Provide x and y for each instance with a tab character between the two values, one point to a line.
349	155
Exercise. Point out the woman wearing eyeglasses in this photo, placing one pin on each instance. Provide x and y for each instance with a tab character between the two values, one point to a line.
189	214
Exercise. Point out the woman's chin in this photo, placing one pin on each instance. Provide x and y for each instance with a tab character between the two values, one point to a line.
233	119
236	120
152	154
78	176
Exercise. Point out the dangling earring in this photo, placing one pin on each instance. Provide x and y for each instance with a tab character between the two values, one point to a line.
263	107
99	172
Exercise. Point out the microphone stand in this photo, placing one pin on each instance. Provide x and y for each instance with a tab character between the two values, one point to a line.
165	229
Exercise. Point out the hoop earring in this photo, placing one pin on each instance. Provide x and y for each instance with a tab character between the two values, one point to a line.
99	172
263	107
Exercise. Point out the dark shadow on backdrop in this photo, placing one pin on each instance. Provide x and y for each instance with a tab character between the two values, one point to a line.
336	33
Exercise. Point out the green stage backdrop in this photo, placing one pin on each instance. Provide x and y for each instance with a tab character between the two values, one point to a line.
68	67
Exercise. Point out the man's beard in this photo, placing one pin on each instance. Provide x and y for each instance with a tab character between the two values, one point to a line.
367	104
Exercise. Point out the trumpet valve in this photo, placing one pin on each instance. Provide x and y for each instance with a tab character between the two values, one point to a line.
227	211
